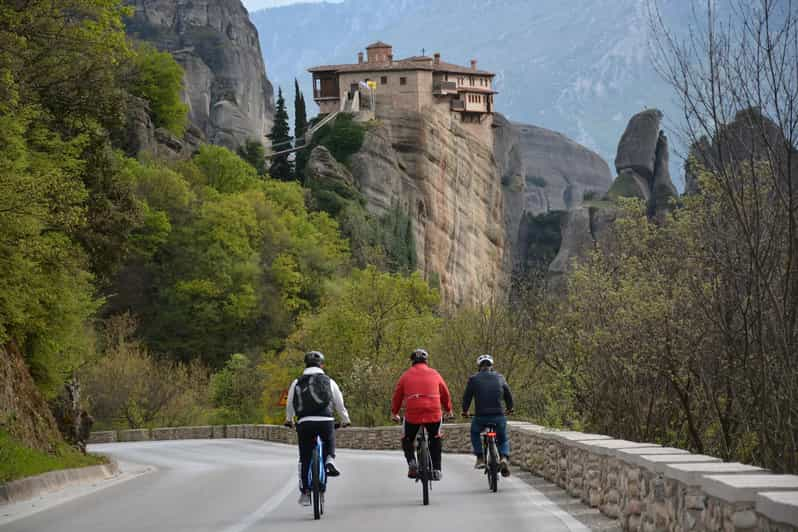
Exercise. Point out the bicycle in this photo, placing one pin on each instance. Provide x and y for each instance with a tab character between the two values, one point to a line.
317	474
490	455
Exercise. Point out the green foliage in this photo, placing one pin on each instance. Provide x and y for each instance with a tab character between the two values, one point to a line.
253	152
366	326
224	171
234	274
19	461
343	137
159	79
536	181
236	392
281	167
46	292
540	239
398	240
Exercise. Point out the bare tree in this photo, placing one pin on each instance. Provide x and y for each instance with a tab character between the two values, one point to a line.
735	70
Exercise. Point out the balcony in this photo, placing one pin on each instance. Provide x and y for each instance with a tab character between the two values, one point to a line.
325	95
443	88
458	105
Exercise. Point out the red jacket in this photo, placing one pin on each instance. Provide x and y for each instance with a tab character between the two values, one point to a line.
423	392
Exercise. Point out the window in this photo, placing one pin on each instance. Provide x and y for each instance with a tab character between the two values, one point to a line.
384	80
403	81
471	80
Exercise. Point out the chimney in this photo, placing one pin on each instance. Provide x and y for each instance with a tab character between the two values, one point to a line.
360	58
390	59
473	64
437	58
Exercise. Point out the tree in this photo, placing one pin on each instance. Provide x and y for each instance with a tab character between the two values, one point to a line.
253	152
158	79
236	391
366	326
281	168
735	73
300	128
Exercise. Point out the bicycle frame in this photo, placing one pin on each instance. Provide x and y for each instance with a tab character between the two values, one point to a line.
317	478
424	459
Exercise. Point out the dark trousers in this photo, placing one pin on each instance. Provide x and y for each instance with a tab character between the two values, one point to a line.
435	444
306	435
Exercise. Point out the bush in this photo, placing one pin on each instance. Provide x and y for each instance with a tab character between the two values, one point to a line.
236	392
127	387
159	79
343	137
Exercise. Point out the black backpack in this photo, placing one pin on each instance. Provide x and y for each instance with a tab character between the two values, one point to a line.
313	395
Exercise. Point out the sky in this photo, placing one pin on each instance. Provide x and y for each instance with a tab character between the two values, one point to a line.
254	5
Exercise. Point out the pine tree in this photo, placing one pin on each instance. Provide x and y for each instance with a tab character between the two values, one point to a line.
300	127
281	168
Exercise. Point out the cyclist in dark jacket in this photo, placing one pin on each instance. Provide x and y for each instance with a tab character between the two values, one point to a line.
488	388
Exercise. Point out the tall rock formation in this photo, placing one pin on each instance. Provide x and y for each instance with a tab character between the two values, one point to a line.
643	172
226	88
445	178
542	171
642	163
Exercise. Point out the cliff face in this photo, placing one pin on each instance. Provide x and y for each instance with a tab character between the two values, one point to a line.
23	411
445	179
226	89
542	171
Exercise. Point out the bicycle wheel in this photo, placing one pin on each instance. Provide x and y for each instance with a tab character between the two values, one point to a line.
424	470
493	466
315	486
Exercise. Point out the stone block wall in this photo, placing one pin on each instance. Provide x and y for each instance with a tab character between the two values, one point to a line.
648	488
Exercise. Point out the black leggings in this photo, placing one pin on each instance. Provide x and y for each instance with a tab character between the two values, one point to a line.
306	434
435	444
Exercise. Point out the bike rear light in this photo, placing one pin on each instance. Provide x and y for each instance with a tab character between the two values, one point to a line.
492	434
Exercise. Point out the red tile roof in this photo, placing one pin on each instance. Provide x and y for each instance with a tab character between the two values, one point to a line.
378	44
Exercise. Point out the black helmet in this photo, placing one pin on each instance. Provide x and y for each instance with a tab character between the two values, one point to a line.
314	358
419	355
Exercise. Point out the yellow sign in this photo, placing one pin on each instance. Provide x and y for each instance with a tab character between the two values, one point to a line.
372	84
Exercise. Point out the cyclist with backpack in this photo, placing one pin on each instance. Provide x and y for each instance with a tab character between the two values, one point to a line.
487	388
425	396
312	398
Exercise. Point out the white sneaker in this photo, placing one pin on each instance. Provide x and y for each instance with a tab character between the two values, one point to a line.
304	499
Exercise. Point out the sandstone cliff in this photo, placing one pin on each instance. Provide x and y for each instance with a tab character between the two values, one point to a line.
445	179
226	89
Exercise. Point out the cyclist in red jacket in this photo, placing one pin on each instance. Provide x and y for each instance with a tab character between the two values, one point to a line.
424	394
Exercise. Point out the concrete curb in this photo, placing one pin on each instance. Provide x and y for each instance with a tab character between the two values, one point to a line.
32	487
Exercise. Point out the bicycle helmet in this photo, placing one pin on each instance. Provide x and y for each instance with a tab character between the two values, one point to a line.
419	355
484	360
314	358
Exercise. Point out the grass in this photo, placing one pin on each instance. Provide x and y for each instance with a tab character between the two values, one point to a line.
18	461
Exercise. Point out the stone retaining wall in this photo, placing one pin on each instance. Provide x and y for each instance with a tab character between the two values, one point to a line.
647	487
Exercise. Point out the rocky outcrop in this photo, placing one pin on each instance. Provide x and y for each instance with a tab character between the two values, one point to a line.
24	413
542	172
642	164
554	171
577	240
445	179
143	138
323	167
226	89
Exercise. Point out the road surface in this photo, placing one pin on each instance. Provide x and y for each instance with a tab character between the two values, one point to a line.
245	485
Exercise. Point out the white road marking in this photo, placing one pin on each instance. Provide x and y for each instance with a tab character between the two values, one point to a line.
266	508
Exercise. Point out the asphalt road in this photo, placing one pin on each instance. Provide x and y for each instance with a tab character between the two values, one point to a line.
243	485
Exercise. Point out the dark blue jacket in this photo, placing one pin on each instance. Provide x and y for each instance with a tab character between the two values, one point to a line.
487	388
